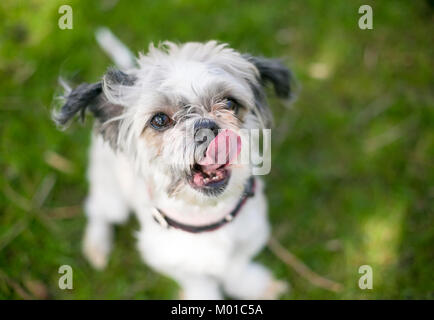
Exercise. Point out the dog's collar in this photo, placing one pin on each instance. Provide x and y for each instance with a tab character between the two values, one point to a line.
165	221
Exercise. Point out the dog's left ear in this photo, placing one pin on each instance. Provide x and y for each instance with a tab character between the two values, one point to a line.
94	97
275	72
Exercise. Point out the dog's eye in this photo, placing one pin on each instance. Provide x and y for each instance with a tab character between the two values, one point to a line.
232	104
160	121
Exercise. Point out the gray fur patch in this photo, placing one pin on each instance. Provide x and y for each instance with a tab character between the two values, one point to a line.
103	112
77	101
261	104
273	70
91	97
115	76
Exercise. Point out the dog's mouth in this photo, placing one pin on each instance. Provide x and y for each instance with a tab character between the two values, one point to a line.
205	177
211	174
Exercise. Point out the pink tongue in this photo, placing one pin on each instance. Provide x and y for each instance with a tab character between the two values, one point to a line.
224	149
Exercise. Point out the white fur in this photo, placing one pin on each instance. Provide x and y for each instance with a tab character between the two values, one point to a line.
199	262
132	179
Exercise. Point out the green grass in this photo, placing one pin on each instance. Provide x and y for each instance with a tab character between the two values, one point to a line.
352	178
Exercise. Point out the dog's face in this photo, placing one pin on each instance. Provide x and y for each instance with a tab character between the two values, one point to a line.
173	112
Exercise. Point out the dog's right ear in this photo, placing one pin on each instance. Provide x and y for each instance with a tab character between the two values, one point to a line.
93	98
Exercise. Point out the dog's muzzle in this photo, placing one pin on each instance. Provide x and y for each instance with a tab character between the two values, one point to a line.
211	172
205	130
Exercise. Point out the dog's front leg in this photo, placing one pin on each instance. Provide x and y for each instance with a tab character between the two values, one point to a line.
198	287
104	206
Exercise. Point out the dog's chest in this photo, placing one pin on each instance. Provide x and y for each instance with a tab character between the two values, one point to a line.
208	252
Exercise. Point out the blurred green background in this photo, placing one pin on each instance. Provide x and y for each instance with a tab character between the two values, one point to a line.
352	172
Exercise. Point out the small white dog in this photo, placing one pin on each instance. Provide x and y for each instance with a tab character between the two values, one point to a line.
201	220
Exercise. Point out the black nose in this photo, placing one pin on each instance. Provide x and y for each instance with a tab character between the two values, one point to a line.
204	130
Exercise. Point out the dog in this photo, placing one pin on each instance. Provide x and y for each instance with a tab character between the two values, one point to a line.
201	221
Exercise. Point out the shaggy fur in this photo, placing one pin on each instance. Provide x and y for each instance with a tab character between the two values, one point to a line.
134	167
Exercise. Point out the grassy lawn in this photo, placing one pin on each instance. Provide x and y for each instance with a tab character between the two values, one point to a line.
352	179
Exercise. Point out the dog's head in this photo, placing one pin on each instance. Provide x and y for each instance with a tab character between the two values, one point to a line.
173	114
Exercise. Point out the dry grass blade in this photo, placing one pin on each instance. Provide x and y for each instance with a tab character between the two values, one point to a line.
65	212
12	233
16	199
303	270
16	287
58	162
43	191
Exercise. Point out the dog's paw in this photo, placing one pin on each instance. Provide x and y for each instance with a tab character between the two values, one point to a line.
95	253
96	258
181	295
275	289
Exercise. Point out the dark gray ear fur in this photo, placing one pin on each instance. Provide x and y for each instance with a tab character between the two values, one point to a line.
91	97
274	71
77	102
